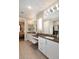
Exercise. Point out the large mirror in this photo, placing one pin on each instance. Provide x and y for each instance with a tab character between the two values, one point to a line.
40	25
48	27
56	27
51	26
31	26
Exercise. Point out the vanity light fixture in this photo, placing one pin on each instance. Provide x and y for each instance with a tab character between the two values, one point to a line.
57	6
51	10
47	12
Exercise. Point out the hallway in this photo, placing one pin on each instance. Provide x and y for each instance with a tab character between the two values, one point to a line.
28	51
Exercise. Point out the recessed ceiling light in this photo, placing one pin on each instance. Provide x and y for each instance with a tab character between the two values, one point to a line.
29	7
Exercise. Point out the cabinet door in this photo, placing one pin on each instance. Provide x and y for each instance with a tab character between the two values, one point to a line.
52	49
28	37
42	45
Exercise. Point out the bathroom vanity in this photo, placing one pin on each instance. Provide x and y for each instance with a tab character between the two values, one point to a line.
49	46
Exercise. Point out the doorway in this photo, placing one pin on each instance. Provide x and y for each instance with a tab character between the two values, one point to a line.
21	30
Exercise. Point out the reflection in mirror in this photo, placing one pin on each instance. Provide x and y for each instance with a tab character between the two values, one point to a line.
39	25
56	28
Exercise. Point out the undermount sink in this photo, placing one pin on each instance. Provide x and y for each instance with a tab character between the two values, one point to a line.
49	37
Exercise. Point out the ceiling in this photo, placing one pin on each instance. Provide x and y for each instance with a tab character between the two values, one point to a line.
37	6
